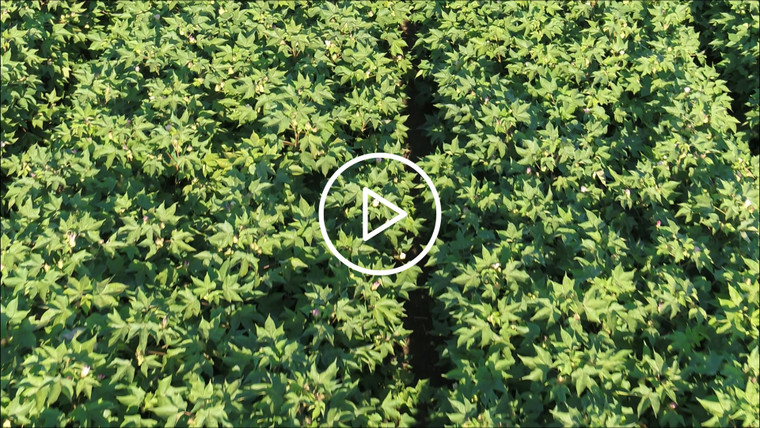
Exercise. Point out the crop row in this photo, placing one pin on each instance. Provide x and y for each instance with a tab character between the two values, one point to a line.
161	262
600	261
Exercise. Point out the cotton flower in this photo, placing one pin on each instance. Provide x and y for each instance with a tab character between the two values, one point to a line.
85	370
375	285
402	256
315	312
528	171
659	223
584	189
687	89
137	68
69	335
747	203
628	193
375	203
72	239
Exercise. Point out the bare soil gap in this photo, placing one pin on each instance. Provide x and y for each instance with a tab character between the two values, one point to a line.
423	347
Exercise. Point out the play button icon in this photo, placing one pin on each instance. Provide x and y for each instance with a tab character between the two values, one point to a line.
400	214
371	199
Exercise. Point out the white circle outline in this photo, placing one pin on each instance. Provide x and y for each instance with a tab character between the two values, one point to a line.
337	253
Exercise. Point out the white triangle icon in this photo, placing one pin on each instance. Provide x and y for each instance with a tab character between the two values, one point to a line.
400	214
